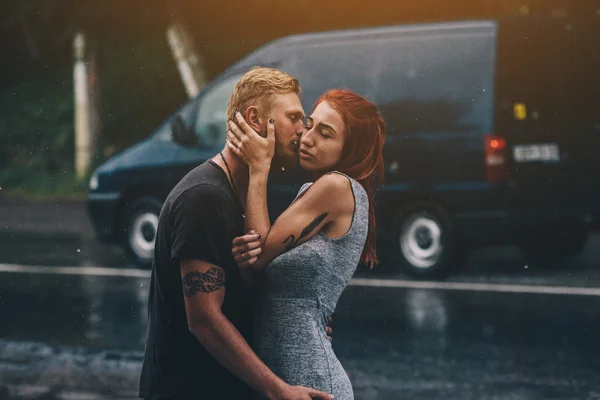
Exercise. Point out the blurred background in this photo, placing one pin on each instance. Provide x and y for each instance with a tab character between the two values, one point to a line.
136	81
505	319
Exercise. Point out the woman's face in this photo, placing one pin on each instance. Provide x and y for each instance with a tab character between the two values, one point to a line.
322	142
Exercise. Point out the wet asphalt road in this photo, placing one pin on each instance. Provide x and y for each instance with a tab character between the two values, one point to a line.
82	337
65	336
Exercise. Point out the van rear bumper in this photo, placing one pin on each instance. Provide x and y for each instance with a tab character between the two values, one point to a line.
501	226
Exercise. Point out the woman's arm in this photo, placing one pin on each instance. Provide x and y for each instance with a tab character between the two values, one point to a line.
329	198
326	201
257	212
257	152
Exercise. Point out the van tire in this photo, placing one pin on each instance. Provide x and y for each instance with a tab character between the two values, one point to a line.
553	249
140	230
425	245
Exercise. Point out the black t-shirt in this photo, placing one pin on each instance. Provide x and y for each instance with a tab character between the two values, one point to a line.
199	220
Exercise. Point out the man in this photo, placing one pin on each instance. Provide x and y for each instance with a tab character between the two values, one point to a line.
200	309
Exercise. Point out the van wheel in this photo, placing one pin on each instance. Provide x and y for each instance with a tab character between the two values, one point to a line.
425	243
140	230
556	247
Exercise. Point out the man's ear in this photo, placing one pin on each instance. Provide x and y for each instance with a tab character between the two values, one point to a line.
253	119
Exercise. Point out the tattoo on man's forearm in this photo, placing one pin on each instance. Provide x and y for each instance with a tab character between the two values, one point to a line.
291	240
199	282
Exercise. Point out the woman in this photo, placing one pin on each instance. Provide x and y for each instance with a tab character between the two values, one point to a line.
310	253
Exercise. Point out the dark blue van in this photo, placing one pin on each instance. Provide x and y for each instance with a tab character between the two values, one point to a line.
476	152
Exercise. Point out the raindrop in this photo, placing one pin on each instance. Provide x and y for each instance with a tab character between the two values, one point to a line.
78	250
526	266
140	284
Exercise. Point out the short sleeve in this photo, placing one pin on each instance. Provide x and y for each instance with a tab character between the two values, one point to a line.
199	220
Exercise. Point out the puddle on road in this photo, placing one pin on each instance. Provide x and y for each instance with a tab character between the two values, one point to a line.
42	372
79	311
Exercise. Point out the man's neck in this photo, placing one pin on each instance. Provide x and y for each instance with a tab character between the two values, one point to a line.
239	171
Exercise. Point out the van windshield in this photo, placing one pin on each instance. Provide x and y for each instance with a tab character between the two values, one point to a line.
211	118
204	115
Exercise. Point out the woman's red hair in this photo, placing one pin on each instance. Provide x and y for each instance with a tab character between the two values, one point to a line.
362	157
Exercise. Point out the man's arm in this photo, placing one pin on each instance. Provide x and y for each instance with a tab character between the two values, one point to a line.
204	291
199	239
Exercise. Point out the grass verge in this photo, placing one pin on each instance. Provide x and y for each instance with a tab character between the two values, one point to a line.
42	186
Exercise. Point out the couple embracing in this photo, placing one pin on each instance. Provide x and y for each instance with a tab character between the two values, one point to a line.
239	308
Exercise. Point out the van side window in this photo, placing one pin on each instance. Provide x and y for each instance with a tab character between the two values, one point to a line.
323	66
430	85
165	132
211	118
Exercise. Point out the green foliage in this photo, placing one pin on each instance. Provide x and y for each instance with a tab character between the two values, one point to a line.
36	124
140	87
28	184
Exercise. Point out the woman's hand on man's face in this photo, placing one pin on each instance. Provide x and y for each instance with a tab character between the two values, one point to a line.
253	149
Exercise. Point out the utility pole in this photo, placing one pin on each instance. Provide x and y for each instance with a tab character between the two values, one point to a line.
95	104
82	112
187	58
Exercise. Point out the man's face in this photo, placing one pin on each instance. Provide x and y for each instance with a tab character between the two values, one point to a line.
288	114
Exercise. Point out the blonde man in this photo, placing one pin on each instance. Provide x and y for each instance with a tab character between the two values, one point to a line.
200	310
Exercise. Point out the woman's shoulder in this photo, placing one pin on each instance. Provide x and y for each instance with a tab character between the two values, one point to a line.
345	186
332	183
329	186
339	181
339	187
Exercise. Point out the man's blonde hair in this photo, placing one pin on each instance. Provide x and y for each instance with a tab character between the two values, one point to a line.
258	87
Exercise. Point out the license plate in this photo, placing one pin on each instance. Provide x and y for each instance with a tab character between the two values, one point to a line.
548	152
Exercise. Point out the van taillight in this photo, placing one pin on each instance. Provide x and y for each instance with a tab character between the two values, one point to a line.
496	167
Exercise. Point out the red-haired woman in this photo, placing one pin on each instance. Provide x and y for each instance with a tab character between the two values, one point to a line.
310	253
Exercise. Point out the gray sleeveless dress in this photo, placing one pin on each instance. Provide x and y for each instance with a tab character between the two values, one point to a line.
301	290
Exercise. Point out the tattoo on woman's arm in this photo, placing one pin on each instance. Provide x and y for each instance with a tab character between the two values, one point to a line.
199	282
291	240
